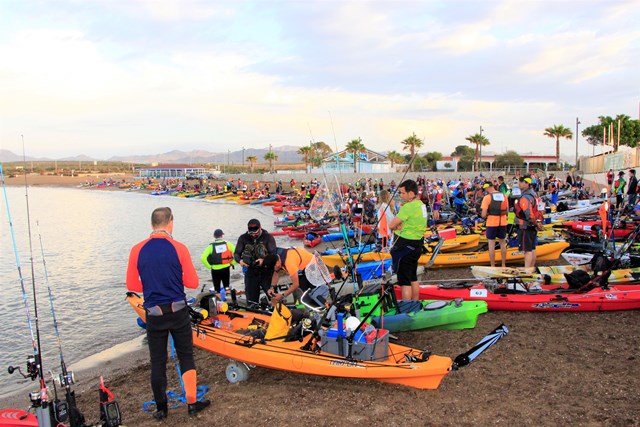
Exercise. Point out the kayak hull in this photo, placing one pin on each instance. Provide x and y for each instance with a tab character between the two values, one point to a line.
288	356
454	315
614	299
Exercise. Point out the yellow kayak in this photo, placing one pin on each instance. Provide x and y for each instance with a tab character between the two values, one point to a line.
456	244
219	196
546	252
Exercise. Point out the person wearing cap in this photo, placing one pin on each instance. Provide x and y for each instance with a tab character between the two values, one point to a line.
293	261
251	249
460	198
161	267
218	257
494	209
618	189
529	224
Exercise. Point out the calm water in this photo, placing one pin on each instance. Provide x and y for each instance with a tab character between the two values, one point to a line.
87	235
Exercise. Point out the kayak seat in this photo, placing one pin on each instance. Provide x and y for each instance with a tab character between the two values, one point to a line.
409	306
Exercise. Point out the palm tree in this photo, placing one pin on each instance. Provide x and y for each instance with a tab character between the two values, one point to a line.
356	146
252	160
412	143
478	140
557	132
271	157
305	151
394	157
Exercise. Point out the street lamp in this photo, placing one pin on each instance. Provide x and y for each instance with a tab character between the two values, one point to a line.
577	123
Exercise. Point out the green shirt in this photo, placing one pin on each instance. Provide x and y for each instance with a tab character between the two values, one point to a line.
414	220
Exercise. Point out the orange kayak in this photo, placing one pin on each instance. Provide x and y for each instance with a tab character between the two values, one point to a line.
225	341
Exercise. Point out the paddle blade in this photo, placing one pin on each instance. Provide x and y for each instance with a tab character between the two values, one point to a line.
493	337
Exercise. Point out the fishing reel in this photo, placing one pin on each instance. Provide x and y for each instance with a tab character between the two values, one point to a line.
67	380
32	368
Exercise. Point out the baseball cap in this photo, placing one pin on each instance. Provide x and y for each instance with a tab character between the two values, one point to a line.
526	179
218	233
253	225
486	185
620	173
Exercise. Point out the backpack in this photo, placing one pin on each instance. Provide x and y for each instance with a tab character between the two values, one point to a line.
533	210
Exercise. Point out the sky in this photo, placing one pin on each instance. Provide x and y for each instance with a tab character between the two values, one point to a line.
124	77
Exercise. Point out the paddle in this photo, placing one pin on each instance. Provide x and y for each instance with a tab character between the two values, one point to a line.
470	355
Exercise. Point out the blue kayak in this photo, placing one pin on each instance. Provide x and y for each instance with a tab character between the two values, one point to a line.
332	237
373	269
354	251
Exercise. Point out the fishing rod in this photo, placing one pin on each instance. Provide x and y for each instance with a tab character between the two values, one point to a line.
68	409
39	400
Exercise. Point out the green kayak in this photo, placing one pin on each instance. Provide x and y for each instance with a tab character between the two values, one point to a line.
400	316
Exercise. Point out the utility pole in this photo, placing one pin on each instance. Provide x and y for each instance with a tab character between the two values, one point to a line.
577	123
480	160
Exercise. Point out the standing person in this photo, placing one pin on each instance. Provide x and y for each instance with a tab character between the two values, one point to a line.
409	226
460	199
502	186
618	189
495	207
526	209
218	256
160	267
632	189
250	251
610	176
385	214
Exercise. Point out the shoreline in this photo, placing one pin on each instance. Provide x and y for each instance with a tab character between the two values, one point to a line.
111	363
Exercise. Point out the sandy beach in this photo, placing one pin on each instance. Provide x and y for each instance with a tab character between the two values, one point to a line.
568	368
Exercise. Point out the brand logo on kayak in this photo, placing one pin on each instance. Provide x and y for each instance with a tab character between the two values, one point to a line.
345	363
556	305
611	296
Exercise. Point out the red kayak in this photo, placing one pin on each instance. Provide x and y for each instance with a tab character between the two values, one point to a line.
615	298
313	242
591	228
17	418
278	233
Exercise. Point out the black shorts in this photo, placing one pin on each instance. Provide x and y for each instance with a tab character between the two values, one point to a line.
405	254
527	239
499	232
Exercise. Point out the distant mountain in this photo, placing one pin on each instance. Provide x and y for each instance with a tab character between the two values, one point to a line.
79	158
9	156
286	154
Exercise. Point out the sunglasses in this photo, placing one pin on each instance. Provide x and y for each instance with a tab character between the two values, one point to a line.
254	230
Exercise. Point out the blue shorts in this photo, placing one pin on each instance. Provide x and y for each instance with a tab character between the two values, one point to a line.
499	232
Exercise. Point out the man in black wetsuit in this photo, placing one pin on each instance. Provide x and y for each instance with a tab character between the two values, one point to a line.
250	251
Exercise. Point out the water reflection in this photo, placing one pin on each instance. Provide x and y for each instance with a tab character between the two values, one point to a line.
87	235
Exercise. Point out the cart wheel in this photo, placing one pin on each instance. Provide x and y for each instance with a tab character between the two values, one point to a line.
237	372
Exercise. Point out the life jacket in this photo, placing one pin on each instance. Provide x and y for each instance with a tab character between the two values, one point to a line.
534	212
220	253
495	206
